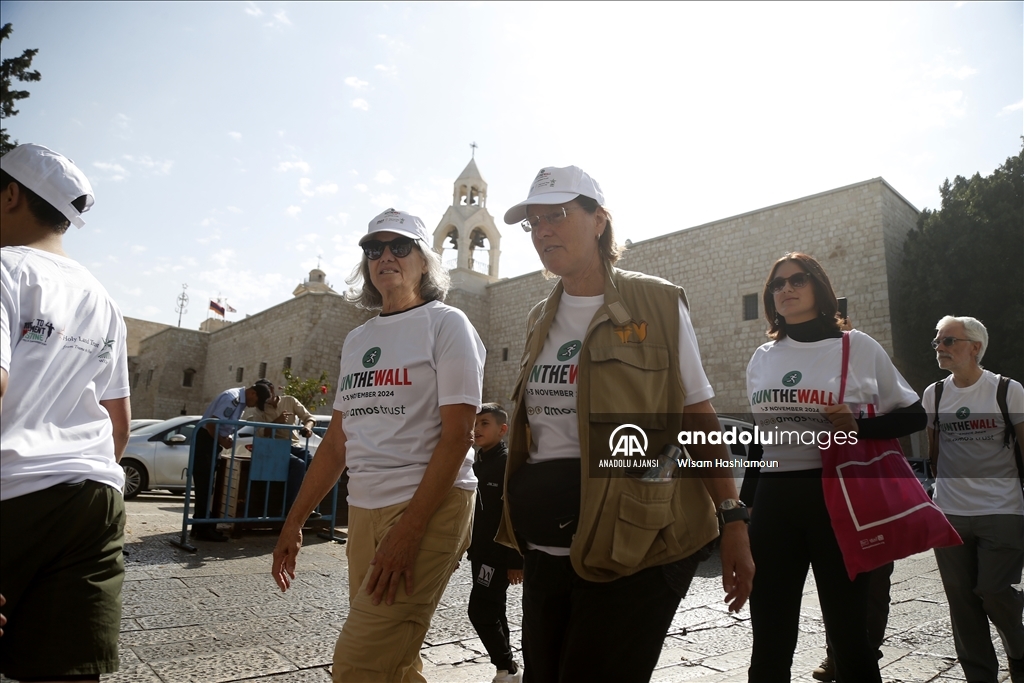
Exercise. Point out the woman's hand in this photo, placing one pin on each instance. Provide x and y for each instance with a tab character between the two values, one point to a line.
515	576
395	557
737	565
285	553
841	417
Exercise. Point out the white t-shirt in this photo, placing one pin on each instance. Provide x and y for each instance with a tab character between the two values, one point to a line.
396	372
789	383
551	387
63	344
977	474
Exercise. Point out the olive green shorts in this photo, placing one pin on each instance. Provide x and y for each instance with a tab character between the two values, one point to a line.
61	571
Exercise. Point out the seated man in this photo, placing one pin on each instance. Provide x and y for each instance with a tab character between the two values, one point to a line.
284	410
227	406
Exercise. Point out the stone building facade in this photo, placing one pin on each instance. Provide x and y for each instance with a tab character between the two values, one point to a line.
856	232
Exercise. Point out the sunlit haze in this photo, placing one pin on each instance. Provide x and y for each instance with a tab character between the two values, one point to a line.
232	145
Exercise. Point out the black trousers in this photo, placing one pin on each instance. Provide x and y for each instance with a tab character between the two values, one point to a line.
487	612
577	630
879	582
789	531
206	450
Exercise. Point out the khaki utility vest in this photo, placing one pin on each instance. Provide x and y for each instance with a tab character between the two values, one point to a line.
628	366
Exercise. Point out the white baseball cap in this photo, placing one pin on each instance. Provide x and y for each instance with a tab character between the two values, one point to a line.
398	222
52	176
556	186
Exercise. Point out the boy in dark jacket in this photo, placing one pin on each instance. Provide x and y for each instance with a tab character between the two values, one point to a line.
494	566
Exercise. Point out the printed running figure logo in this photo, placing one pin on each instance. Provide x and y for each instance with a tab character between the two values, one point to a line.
792	378
568	350
632	332
963	413
371	357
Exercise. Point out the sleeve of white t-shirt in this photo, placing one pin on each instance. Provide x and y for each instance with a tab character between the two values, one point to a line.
459	359
8	318
695	381
893	391
1015	402
117	385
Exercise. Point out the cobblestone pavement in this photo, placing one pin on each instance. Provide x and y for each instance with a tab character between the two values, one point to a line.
216	616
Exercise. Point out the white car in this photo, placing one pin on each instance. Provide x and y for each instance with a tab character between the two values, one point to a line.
157	456
139	424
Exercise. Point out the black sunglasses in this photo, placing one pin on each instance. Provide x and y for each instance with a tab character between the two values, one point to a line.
797	280
400	247
947	341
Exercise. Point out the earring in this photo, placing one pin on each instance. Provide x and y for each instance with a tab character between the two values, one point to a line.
778	321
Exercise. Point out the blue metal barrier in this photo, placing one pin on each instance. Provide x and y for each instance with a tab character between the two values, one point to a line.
268	464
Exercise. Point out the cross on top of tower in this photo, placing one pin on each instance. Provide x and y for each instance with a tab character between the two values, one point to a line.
473	146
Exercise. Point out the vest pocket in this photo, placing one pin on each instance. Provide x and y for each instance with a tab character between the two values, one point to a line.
629	380
637	532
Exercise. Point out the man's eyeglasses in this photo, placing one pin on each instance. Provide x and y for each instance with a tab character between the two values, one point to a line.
553	218
797	280
400	248
947	342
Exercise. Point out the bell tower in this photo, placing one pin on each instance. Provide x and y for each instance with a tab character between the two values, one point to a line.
466	237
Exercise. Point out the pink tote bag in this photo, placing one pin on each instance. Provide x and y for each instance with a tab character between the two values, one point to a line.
880	512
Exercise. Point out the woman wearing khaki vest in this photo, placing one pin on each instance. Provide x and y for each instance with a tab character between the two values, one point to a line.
609	355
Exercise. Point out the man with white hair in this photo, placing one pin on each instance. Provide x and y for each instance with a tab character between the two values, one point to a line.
976	426
63	426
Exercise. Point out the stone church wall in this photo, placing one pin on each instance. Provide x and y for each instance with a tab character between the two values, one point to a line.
157	373
856	232
850	230
309	329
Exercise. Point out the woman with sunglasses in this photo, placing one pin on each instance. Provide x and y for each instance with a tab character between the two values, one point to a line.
793	382
406	405
608	354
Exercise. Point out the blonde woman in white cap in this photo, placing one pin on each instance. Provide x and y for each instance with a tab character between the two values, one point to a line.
63	425
608	354
407	398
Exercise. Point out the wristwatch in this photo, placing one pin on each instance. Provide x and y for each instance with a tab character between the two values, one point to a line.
732	510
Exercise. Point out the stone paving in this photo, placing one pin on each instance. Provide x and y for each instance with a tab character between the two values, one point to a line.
216	616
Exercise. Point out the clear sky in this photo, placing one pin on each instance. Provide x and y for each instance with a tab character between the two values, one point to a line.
232	144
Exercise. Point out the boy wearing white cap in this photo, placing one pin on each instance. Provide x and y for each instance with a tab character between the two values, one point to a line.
64	415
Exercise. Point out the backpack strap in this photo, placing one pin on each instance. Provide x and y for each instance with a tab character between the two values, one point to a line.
933	451
1009	436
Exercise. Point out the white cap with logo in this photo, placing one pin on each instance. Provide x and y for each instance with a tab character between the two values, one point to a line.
398	222
52	176
556	186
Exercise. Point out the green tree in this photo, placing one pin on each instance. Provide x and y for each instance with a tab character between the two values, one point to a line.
967	258
15	67
311	393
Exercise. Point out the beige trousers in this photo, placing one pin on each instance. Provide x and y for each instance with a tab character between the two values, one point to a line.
381	643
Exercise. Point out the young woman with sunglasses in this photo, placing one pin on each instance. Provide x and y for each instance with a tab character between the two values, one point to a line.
793	383
407	399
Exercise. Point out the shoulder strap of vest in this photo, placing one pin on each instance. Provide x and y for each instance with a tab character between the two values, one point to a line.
1009	436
